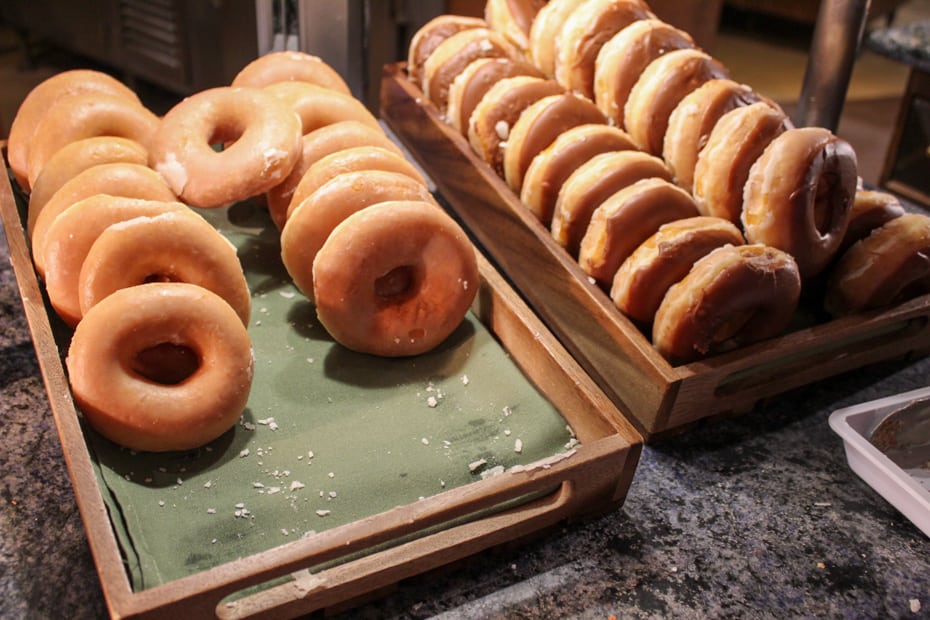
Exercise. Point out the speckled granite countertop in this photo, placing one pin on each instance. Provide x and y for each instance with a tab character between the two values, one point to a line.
757	516
908	43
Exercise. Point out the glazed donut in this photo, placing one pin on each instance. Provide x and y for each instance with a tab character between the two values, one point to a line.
513	19
351	160
43	98
454	54
693	119
128	180
76	157
193	396
318	144
625	220
583	35
289	66
428	37
317	106
870	210
663	84
799	195
545	30
473	83
594	182
665	258
538	126
175	246
891	265
735	143
395	279
554	164
315	218
262	138
732	297
84	116
624	57
496	113
71	236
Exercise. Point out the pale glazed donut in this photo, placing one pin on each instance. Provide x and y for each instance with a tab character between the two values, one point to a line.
693	119
538	126
498	110
891	265
735	143
120	179
290	66
659	89
314	219
544	33
554	164
583	34
664	259
135	403
625	220
175	246
428	37
395	279
732	297
84	116
475	81
513	19
351	160
317	106
456	53
42	98
870	210
594	182
262	138
316	145
799	195
623	58
71	236
76	157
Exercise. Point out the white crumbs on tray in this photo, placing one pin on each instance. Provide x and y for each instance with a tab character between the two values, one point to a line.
476	465
286	294
322	513
915	605
518	445
464	379
269	422
424	441
432	402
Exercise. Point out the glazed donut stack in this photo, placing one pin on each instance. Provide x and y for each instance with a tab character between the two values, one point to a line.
658	173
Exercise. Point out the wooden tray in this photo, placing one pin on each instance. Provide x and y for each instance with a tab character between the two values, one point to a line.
369	555
662	399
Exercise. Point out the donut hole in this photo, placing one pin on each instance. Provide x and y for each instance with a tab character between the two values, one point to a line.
159	278
166	363
226	134
398	284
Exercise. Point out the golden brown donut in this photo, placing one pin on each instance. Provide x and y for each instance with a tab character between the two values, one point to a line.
43	98
538	126
799	195
594	182
314	219
120	179
693	119
454	54
261	137
318	144
84	116
76	157
665	258
584	33
661	86
428	37
496	113
473	83
870	210
513	19
890	266
290	66
732	297
193	396
624	57
395	279
545	30
735	143
555	163
71	236
175	246
318	106
625	220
